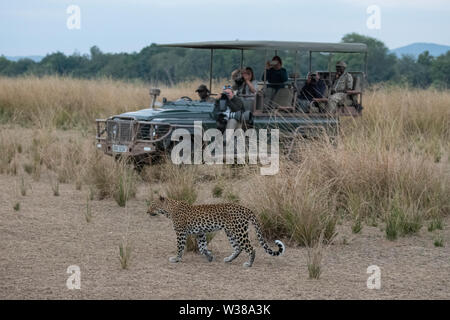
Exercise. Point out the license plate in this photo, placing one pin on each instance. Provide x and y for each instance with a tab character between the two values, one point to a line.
119	148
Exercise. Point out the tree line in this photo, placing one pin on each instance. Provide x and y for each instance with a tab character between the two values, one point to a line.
173	65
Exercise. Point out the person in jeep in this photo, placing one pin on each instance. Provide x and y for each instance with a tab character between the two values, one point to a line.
204	94
313	88
342	83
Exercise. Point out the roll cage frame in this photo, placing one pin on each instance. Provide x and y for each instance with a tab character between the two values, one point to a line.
308	47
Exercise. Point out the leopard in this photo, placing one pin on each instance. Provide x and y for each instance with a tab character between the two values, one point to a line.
200	219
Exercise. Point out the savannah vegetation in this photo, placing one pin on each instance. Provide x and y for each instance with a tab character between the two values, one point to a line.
390	168
171	66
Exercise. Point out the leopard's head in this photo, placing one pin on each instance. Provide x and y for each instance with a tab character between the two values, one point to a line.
159	206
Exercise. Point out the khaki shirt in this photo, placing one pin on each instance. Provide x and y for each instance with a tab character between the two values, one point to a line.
343	83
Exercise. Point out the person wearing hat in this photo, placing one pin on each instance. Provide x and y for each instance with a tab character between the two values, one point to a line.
341	84
204	94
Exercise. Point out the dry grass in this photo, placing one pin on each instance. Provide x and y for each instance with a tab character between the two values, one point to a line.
61	102
391	166
315	255
125	249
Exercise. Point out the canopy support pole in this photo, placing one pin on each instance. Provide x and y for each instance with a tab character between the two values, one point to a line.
330	56
265	69
310	63
210	70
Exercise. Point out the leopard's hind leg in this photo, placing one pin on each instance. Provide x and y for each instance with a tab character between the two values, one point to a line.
236	247
181	242
244	243
203	246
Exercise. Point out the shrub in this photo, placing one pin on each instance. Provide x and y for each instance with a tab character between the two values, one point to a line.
16	206
435	224
124	253
180	182
217	190
439	241
191	242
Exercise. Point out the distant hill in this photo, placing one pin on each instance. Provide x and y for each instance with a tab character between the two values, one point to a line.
417	48
17	58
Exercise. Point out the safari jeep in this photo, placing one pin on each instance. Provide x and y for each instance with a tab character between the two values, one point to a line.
143	133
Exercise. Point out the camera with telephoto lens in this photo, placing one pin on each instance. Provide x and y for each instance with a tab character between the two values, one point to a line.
239	81
223	99
237	77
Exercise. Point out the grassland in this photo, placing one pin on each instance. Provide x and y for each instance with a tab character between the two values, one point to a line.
388	175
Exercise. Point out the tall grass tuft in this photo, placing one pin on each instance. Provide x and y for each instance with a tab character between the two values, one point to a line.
111	178
316	252
180	182
291	205
23	187
125	184
88	211
124	253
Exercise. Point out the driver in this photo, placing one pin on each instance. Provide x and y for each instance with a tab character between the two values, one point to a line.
204	94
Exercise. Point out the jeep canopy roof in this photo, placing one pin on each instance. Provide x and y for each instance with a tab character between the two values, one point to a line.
283	45
309	47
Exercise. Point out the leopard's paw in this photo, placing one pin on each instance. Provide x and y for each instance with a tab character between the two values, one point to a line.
174	259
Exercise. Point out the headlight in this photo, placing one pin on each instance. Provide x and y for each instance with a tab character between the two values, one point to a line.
114	131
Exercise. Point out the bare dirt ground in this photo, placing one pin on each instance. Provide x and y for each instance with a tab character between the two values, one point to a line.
49	233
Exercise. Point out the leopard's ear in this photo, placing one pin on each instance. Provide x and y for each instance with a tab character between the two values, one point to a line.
161	198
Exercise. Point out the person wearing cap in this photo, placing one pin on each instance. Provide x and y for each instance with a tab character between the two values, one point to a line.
204	94
313	88
341	84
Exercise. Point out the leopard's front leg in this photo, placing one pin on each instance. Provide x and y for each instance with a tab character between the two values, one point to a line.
203	246
181	242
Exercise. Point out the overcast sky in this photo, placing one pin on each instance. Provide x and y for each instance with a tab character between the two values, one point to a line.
38	27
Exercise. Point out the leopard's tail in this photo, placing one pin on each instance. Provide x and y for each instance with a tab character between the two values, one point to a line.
262	241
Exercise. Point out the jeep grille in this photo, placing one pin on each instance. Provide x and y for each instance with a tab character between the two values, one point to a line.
120	130
146	132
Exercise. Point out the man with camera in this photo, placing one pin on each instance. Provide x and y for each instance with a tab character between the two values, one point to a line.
342	83
313	88
232	108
